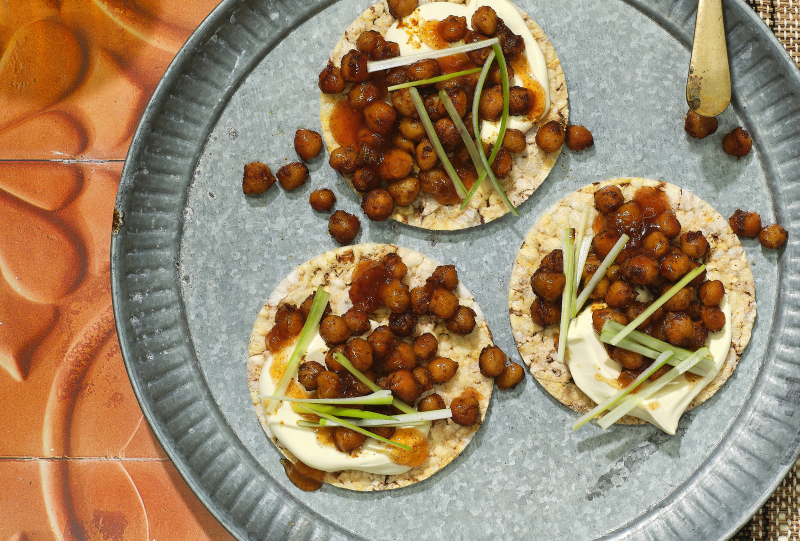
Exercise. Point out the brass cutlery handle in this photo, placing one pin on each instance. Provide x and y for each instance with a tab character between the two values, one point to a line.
708	86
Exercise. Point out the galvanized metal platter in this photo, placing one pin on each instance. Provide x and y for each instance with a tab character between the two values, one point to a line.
194	259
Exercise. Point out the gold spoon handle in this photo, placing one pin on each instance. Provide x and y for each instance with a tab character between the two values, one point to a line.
708	87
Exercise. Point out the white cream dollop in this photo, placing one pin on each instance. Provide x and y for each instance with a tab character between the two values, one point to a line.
407	36
302	442
592	368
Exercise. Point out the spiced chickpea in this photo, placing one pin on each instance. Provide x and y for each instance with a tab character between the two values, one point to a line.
634	310
423	377
382	342
365	179
394	294
442	369
445	276
694	244
501	167
443	303
331	80
773	236
547	284
396	76
305	307
463	321
363	93
712	317
333	330
615	273
673	266
343	226
447	133
677	328
668	224
423	69
400	8
550	136
578	138
426	155
512	44
403	103
680	300
359	352
600	289
322	199
656	244
329	384
641	269
478	56
553	261
608	199
490	106
368	41
453	28
292	175
394	265
396	164
354	66
411	128
693	310
491	361
603	242
431	402
344	159
257	178
599	318
437	183
627	218
348	440
380	117
402	356
404	144
544	312
459	100
737	143
425	346
404	385
745	224
510	377
420	298
403	324
466	410
628	359
434	106
620	295
520	101
495	76
698	126
699	337
377	205
484	20
289	321
330	358
356	320
514	141
307	374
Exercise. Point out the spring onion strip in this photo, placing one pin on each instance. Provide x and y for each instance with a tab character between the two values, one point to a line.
368	423
567	244
374	399
400	420
691	275
611	328
646	392
437	145
399	404
583	255
433	80
578	266
340	412
701	369
306	336
389	63
601	271
351	426
622	393
462	129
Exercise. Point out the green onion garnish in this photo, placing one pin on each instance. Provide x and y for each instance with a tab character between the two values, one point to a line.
601	271
691	275
437	145
578	250
476	100
378	65
622	393
375	399
583	255
344	361
306	336
632	401
432	80
567	244
462	129
400	420
347	412
358	429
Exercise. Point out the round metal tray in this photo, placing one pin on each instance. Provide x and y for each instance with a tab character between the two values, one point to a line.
193	261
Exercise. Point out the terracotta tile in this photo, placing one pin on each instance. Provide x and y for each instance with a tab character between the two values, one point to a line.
23	514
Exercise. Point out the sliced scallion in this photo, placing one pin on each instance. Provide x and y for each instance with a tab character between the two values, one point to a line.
433	80
476	125
578	266
583	255
568	248
646	392
691	275
304	340
601	271
400	420
358	429
701	368
462	129
437	145
622	393
389	63
344	361
339	412
375	399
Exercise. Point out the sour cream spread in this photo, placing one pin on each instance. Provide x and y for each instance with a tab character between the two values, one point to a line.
409	34
593	372
303	442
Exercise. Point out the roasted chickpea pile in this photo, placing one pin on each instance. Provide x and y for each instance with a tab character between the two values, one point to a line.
384	146
394	356
657	255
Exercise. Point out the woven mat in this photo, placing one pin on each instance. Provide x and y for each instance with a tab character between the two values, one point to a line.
783	18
